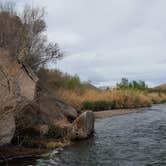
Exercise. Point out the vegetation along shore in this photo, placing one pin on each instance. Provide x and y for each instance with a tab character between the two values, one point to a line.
84	96
43	109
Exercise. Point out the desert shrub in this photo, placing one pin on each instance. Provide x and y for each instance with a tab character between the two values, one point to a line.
112	99
86	105
114	104
157	97
55	79
54	131
99	105
26	121
81	96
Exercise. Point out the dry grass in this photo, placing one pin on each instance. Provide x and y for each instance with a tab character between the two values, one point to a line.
82	95
122	98
157	98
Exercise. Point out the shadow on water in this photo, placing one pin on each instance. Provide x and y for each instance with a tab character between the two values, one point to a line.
137	139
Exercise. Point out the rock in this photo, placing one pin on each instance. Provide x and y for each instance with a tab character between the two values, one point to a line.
46	110
26	107
53	107
67	110
9	98
7	128
17	89
49	110
54	152
83	126
27	81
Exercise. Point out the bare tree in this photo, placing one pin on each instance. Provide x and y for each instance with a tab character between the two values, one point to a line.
23	35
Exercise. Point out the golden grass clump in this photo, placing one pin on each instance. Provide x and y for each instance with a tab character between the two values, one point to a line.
115	99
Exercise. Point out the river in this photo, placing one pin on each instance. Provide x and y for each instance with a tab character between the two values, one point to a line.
137	139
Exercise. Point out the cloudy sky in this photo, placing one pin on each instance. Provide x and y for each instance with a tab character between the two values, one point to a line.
105	40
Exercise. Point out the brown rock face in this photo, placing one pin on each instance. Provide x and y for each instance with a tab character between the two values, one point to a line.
51	106
83	126
24	105
17	89
7	128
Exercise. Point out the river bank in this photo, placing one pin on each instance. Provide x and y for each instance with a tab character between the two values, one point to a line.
111	113
119	112
134	139
12	153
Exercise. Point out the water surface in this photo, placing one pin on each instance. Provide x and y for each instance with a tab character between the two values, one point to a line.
137	139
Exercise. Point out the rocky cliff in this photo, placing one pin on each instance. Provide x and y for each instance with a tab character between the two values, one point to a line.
25	105
16	90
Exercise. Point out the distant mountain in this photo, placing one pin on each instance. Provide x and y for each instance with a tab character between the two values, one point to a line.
160	87
90	86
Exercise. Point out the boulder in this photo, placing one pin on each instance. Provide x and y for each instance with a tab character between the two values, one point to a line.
83	126
67	110
54	108
9	98
17	89
26	105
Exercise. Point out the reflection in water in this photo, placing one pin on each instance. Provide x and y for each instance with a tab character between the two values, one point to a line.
137	139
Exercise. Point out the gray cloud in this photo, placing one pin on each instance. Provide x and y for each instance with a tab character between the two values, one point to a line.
109	39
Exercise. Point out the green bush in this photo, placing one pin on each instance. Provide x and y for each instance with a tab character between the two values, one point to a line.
99	105
54	131
137	85
87	105
115	104
55	80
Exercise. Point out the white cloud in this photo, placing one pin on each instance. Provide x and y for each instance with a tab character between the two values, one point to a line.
109	39
65	39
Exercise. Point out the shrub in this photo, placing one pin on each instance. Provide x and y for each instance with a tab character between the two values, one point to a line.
54	131
125	84
99	105
81	96
25	133
114	104
23	35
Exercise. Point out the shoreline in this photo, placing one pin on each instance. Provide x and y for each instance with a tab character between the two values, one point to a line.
115	112
11	153
119	112
17	153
